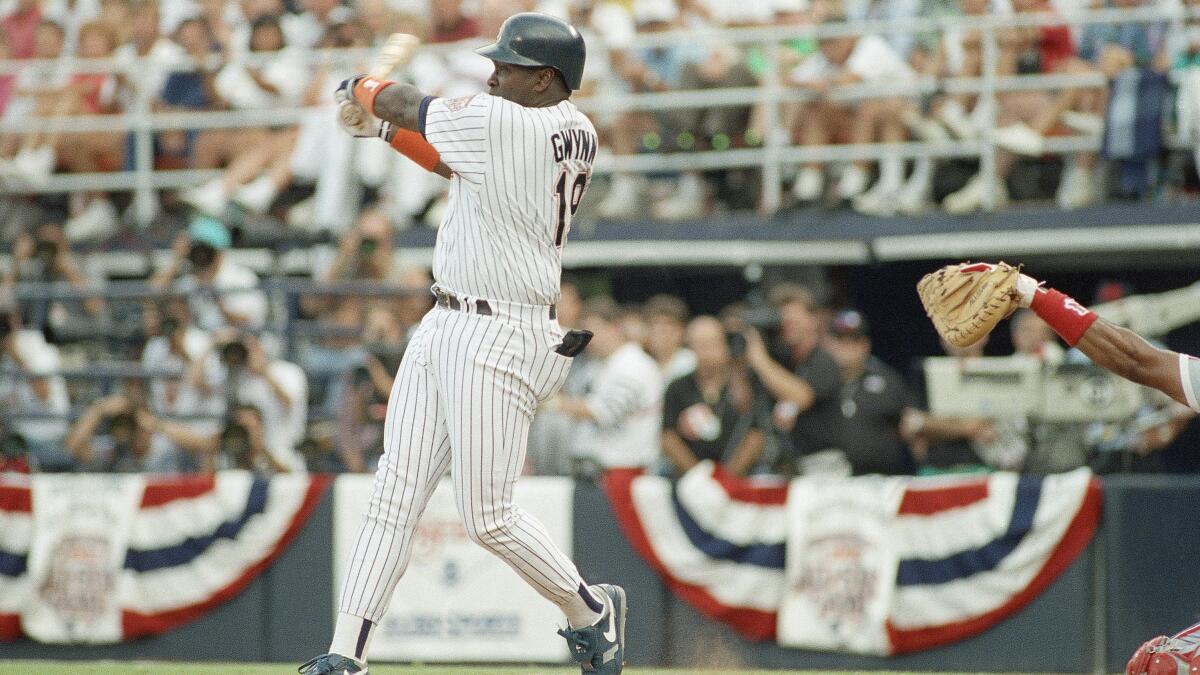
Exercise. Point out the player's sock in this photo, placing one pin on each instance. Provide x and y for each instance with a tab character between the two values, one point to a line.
352	636
584	609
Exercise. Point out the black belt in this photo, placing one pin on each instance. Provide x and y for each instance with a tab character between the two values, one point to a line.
482	308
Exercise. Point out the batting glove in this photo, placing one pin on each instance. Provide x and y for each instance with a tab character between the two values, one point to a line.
352	116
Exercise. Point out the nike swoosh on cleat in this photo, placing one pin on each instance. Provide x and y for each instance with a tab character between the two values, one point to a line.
610	633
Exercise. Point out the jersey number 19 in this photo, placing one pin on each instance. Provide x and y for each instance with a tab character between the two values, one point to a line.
565	205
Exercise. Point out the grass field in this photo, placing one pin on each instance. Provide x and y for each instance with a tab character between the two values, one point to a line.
163	668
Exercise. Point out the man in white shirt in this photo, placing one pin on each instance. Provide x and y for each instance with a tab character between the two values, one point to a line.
622	407
222	292
28	386
192	397
843	61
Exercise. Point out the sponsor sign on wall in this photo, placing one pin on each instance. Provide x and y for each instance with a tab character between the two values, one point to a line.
456	601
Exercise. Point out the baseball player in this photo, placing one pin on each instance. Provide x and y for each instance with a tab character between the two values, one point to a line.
491	350
1127	354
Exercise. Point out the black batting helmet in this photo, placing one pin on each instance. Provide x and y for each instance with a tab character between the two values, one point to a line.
532	39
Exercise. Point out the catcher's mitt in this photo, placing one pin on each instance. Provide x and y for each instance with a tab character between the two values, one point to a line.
966	301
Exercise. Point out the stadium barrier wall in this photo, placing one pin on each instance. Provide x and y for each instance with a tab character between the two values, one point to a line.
1137	579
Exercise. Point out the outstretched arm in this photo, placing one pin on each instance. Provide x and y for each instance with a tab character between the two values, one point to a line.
1129	355
1112	347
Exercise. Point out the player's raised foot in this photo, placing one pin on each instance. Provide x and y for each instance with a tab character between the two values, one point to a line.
600	648
333	664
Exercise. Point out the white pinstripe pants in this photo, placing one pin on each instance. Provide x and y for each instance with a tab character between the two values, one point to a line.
464	397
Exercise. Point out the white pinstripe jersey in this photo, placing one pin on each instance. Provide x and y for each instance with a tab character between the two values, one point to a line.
519	174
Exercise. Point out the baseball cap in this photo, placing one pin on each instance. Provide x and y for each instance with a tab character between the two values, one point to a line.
849	323
207	230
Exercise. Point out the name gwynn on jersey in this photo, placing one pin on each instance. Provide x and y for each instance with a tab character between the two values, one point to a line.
574	144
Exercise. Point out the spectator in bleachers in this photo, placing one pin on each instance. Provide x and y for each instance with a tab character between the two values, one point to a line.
450	23
330	158
33	393
1025	117
841	61
37	92
360	415
620	411
887	10
364	254
71	15
309	27
20	28
221	291
649	69
804	381
257	170
157	53
708	414
191	89
277	389
220	16
45	256
191	397
666	321
117	16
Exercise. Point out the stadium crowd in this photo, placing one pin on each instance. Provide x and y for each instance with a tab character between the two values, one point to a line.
194	371
192	55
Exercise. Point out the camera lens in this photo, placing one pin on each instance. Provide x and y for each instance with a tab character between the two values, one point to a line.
234	355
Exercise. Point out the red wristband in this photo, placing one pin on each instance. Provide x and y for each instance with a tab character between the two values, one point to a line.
367	88
410	144
1065	315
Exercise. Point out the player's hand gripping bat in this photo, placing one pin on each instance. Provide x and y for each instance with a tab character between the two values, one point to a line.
397	51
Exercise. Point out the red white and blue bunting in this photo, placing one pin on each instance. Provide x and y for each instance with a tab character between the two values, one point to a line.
865	565
102	559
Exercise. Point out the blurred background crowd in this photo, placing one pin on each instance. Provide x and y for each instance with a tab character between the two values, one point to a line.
197	362
1122	94
189	371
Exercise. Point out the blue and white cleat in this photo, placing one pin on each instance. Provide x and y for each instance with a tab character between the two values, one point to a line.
333	664
600	648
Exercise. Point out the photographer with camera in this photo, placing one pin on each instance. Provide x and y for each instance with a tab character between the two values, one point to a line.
708	413
125	448
45	256
178	346
241	442
33	394
365	253
620	410
222	293
278	389
360	415
804	381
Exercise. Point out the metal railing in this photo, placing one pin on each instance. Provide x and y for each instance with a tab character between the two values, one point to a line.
771	157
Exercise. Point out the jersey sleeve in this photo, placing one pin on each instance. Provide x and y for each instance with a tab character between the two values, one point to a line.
459	129
1189	377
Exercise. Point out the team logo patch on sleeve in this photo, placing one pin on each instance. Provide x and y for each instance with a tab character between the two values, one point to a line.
456	104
